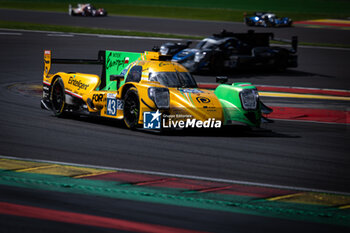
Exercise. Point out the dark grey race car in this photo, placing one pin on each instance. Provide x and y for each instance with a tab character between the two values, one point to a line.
227	51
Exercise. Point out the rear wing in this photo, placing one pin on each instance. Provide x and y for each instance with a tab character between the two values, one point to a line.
252	38
112	62
48	60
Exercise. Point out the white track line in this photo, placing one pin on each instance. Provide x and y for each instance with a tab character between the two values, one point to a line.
11	33
133	37
181	176
60	35
95	35
155	38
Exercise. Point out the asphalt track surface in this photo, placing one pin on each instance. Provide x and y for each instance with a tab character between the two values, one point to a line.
175	26
300	154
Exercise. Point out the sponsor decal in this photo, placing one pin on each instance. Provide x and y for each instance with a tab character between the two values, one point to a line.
161	64
97	97
203	100
111	95
190	90
78	83
120	104
73	94
115	60
151	120
118	62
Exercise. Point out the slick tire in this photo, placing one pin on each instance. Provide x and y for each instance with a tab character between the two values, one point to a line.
282	61
57	97
131	108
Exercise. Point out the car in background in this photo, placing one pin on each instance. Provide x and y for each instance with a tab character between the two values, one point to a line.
266	19
171	48
227	51
86	10
146	89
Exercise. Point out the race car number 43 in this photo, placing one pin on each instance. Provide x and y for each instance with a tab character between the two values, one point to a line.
113	105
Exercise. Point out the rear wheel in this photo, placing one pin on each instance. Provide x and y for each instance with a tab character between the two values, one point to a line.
282	60
131	108
57	97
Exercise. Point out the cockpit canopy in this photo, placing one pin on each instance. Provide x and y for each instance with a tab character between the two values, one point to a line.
169	74
173	79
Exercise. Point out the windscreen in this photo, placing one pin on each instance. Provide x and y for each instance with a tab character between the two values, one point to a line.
207	44
173	79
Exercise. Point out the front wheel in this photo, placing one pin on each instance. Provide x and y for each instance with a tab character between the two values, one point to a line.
57	97
131	108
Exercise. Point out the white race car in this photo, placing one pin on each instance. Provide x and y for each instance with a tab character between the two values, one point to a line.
86	10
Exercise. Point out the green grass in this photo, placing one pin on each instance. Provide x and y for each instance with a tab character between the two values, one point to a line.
73	29
223	10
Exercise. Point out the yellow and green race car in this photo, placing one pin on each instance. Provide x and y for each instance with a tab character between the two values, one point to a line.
145	90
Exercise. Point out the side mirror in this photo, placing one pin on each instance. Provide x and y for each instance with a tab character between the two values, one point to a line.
116	78
221	79
156	48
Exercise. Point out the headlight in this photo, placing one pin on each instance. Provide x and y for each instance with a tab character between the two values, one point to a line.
160	97
249	99
199	56
163	50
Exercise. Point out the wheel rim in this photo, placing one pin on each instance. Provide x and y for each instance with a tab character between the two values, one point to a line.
131	111
57	98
